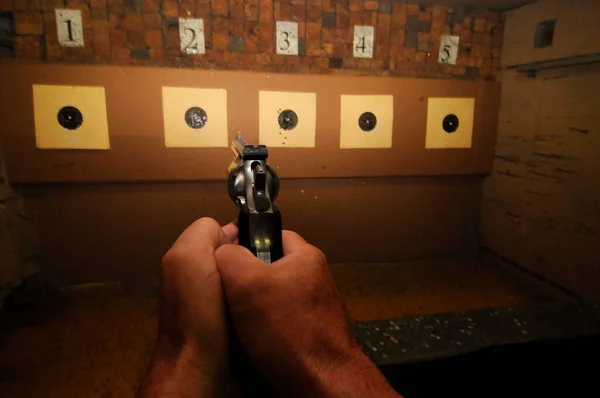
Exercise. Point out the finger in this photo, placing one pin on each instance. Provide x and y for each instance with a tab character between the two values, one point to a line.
292	242
204	235
236	263
231	232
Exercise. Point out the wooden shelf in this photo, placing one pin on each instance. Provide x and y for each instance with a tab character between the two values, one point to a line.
531	69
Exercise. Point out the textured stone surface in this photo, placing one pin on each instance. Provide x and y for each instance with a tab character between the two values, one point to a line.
115	31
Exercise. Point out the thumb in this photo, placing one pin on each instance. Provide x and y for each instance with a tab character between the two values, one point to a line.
237	265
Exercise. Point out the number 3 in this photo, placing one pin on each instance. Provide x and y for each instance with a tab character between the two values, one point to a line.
286	41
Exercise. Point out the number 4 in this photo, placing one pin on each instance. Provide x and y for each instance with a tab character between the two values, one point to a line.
363	41
361	44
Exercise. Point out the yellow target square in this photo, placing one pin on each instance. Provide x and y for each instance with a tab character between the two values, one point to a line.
449	123
70	117
287	119
195	117
366	121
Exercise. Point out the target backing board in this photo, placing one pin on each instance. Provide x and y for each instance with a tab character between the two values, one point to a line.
194	117
449	123
70	117
287	119
366	121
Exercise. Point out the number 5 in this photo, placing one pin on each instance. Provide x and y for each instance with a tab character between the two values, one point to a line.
446	50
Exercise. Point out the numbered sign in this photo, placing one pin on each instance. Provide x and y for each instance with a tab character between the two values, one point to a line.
191	36
287	38
363	41
69	28
448	50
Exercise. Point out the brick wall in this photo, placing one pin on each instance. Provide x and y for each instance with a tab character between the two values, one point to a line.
240	34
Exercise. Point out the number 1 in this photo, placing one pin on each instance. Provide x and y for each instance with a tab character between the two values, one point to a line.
361	44
68	22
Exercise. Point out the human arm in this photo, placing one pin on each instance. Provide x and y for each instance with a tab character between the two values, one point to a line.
290	320
190	359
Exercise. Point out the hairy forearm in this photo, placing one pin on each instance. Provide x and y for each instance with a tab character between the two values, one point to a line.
355	376
179	377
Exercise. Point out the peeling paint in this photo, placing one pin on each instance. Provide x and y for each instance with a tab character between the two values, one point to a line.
549	155
578	130
544	175
510	159
545	137
508	174
568	171
512	216
494	200
584	229
530	192
555	77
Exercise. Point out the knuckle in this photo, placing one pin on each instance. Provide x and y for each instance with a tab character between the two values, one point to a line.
292	234
247	284
207	222
172	257
317	256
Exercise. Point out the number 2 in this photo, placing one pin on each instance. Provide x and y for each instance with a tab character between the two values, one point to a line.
286	41
70	29
446	50
361	44
191	44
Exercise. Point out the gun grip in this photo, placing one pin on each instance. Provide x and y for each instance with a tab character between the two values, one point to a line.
255	229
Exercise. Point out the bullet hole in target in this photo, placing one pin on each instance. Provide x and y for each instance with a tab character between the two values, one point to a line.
196	117
450	123
367	121
288	119
70	117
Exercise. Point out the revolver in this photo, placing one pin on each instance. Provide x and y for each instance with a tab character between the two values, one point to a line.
253	186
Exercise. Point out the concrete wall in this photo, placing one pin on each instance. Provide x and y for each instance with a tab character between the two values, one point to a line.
576	31
541	206
19	251
108	232
9	256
